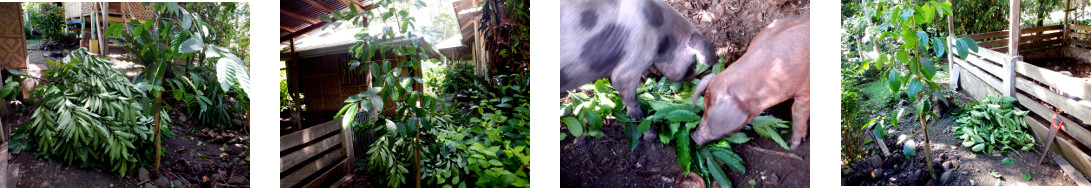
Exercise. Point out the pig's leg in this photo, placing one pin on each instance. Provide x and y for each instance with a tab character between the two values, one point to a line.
626	84
801	110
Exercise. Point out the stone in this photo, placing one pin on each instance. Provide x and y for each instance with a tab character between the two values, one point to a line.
237	180
176	183
143	174
148	185
181	119
162	181
948	165
946	178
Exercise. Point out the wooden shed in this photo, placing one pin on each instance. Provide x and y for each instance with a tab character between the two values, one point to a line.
1001	67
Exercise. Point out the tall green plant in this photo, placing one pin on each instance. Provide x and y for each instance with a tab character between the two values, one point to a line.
47	18
175	35
912	62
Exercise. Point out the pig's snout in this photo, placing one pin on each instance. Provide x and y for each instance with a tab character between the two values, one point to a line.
727	118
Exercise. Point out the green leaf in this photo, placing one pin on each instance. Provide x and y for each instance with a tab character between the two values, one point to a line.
682	149
716	172
979	147
191	45
737	138
765	127
734	161
938	47
1026	176
892	81
682	116
923	38
1008	161
908	37
574	126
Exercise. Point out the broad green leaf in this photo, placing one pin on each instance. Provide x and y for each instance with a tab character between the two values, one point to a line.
574	126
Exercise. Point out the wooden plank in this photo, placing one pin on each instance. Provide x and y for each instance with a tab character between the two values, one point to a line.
1081	135
303	31
319	6
295	177
1071	171
992	43
993	55
987	79
989	66
309	134
1070	152
1084	36
994	34
290	160
341	182
1079	27
1069	85
1072	107
342	168
298	17
1038	44
1083	43
972	85
1041	29
282	28
1029	38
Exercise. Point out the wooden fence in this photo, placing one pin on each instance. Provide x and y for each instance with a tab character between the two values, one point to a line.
315	156
1042	91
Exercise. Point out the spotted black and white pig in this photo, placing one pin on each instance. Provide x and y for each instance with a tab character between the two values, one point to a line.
624	39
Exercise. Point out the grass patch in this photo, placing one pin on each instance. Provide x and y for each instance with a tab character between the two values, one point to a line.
876	96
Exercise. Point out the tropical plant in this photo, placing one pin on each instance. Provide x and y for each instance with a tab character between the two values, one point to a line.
993	123
903	25
176	35
505	24
47	18
90	115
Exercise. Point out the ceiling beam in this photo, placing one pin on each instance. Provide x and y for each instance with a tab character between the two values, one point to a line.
287	29
303	31
298	17
319	6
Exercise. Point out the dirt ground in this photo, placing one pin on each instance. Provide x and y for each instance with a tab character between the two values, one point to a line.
966	167
730	24
1078	68
607	162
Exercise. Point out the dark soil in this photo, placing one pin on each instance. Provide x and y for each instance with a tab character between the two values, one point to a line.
730	24
1078	68
226	162
966	167
607	162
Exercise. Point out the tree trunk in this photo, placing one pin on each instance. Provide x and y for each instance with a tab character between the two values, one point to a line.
158	147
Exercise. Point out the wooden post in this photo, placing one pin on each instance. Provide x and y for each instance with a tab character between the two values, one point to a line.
952	69
1064	34
1013	50
102	32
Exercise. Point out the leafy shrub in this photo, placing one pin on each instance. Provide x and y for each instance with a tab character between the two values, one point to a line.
90	115
499	146
205	100
993	123
48	18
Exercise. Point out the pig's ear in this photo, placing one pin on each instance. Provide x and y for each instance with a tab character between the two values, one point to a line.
719	120
705	52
